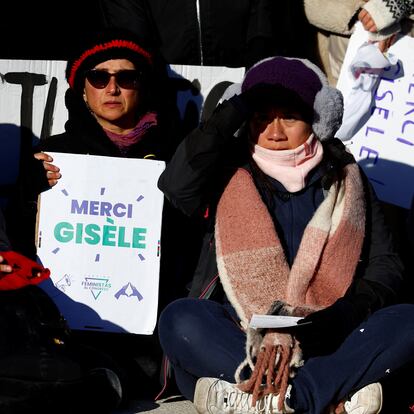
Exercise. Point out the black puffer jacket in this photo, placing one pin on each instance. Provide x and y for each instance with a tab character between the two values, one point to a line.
204	161
234	33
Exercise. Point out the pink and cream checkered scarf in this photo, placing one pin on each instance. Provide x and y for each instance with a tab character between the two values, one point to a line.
255	274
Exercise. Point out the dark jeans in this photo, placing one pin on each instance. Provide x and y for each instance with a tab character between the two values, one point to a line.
201	338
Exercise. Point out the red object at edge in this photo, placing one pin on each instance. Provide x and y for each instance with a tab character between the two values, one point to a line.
24	271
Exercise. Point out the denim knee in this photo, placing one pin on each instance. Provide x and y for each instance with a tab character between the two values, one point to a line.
178	327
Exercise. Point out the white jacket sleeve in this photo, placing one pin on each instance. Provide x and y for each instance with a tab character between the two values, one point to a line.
365	70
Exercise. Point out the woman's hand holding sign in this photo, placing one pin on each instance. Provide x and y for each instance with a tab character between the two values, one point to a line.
52	171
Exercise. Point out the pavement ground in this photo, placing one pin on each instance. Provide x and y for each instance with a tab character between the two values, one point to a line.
171	405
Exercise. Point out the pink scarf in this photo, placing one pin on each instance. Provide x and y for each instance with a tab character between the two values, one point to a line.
123	142
290	167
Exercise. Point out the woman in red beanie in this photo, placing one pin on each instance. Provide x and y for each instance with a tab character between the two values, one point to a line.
119	105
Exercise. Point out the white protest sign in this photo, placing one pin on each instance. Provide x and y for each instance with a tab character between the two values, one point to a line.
99	233
384	143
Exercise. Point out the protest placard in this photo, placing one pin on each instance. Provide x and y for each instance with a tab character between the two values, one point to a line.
99	233
384	143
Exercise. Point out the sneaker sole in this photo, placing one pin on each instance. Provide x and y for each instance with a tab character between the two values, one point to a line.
201	394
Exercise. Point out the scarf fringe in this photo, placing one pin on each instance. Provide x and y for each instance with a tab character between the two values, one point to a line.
273	364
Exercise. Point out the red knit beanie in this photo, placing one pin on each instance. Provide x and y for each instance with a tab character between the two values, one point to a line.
105	45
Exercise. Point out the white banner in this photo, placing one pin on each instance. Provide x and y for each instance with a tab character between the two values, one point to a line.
99	233
384	143
32	95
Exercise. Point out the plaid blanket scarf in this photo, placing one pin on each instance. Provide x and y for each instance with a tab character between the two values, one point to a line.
257	278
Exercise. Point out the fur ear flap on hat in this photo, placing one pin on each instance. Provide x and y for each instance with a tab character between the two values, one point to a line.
328	107
306	80
328	111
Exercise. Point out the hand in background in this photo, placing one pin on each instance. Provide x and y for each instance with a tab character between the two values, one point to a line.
4	267
367	21
21	271
369	25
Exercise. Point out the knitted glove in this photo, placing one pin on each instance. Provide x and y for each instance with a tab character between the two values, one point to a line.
326	329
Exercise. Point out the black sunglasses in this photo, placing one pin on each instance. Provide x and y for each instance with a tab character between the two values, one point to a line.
125	79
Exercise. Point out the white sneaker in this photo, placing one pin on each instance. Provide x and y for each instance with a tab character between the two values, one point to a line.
215	396
367	400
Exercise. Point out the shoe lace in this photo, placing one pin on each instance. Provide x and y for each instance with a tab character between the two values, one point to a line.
267	405
241	402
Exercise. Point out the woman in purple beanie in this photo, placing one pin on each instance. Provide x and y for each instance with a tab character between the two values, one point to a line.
293	228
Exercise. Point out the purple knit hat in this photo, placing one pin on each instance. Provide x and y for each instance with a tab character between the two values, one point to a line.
287	73
308	82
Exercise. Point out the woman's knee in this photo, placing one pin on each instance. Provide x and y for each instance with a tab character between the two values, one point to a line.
396	318
179	324
399	312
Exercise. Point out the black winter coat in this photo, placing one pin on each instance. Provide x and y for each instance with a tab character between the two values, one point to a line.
180	237
206	159
234	33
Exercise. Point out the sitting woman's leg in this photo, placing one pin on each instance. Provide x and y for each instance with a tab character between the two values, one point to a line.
201	338
378	347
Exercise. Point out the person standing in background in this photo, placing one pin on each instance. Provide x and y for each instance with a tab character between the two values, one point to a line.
336	19
211	33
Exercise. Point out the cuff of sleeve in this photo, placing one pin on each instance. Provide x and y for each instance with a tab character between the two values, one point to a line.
381	13
384	33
